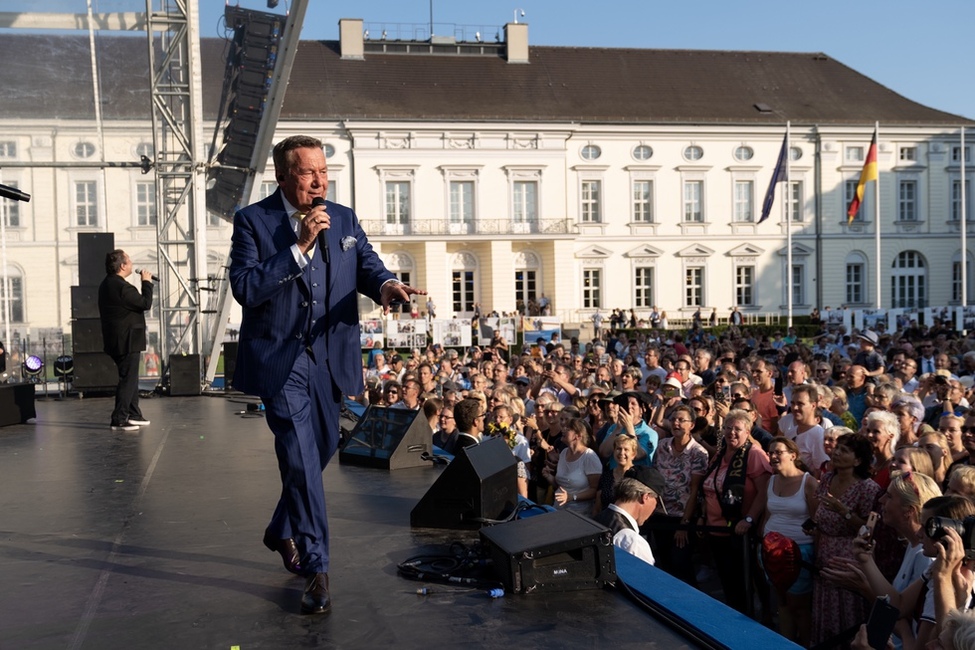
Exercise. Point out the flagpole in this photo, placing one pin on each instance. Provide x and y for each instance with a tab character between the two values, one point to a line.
876	209
964	234
788	226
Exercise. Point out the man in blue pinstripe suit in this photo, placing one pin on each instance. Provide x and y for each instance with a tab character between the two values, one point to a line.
297	263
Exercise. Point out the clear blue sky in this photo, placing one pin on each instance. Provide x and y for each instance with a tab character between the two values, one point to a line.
922	50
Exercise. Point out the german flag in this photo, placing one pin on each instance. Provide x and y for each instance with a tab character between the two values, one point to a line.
867	174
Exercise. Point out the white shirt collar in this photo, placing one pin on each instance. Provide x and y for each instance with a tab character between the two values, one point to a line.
628	516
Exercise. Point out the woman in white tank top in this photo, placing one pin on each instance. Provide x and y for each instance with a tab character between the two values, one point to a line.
790	502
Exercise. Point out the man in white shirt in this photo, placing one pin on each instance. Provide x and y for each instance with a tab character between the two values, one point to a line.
635	499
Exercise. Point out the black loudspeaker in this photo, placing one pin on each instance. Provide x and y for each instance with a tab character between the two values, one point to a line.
557	551
480	483
229	364
86	335
184	374
84	302
94	371
92	249
16	404
388	438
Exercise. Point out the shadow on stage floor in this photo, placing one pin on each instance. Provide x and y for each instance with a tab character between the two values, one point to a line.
153	540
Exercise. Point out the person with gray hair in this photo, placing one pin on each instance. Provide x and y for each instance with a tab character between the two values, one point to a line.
883	431
635	499
910	412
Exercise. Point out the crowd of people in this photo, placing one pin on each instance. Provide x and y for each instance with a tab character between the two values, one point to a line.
810	476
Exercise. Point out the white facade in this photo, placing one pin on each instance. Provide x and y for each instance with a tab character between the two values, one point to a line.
492	213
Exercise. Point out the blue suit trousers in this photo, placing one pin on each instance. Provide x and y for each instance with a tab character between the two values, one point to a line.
304	418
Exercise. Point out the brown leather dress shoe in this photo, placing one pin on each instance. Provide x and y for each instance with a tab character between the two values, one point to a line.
316	600
288	550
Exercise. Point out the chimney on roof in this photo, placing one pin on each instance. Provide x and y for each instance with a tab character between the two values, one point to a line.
350	39
516	41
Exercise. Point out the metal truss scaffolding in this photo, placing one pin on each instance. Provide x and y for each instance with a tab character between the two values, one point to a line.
177	125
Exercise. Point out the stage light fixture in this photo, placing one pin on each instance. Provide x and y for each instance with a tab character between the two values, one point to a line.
33	366
64	367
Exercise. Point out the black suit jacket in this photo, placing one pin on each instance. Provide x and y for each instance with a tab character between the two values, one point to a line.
122	309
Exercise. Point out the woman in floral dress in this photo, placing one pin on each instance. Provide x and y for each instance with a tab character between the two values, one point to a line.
846	496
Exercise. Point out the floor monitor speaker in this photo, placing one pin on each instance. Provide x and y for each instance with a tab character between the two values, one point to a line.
480	483
16	403
557	551
389	438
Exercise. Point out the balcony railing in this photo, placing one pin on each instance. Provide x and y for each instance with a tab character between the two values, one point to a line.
436	227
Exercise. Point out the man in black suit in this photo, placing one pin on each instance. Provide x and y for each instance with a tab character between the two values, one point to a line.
122	309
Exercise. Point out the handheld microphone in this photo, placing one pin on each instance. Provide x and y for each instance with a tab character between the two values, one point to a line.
154	278
315	202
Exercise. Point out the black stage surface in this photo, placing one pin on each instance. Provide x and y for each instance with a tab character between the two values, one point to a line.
153	540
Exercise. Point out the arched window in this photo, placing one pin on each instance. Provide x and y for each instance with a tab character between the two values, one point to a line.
908	280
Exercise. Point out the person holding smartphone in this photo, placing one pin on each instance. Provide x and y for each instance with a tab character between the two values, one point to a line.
846	496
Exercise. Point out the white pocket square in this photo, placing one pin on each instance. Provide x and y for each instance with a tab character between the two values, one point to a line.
347	243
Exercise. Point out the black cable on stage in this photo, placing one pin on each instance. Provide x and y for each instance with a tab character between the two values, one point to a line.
452	569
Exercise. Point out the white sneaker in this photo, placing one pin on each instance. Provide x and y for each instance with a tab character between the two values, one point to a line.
128	426
138	423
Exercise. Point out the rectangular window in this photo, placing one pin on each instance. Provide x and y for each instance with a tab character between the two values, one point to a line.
145	204
956	201
745	286
15	298
908	154
643	286
461	201
854	283
86	203
8	149
590	201
643	201
270	187
525	195
10	209
907	201
694	286
798	282
591	288
693	196
854	154
795	206
956	154
525	290
462	292
397	202
744	208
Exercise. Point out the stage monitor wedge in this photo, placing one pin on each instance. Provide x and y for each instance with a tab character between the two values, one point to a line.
558	551
389	438
480	483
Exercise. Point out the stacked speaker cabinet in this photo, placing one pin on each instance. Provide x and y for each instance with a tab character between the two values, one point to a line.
94	370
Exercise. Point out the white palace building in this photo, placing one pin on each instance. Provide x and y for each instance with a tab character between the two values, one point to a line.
493	173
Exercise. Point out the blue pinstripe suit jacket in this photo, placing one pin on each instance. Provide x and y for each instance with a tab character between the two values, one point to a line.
275	296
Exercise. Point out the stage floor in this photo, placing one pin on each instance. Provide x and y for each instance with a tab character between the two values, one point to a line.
153	540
